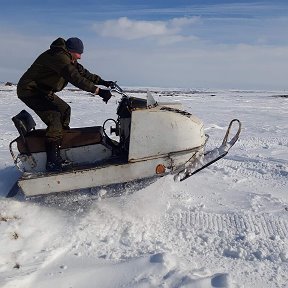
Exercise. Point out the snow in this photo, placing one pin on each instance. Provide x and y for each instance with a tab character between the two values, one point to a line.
226	226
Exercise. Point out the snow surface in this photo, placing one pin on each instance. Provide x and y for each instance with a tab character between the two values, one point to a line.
227	226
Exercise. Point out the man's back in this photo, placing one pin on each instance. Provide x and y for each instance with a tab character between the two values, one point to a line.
45	73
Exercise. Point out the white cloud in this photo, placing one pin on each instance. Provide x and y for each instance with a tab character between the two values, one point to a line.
128	29
183	21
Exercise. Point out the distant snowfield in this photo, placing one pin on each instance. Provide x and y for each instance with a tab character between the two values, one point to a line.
227	226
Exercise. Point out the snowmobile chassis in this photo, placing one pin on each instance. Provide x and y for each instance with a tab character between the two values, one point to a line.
143	151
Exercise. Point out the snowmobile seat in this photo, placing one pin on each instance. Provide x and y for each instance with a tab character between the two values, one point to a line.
74	137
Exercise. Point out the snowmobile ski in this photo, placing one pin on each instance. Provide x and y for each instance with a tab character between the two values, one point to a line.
211	156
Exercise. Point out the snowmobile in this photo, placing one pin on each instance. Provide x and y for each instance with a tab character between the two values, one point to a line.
152	140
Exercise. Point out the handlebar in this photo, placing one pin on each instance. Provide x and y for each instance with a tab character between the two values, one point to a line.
116	88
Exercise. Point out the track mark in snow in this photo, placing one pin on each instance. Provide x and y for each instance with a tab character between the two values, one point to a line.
249	237
262	225
261	169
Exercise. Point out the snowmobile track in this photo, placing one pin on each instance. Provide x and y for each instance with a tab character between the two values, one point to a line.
262	225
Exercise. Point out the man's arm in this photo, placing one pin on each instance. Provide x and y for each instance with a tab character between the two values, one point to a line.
86	74
93	77
71	74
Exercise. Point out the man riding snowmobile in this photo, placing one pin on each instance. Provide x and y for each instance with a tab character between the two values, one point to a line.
50	73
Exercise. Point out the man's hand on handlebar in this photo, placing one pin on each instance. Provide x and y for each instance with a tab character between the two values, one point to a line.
104	94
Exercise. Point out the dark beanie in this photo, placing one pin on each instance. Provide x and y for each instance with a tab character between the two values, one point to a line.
74	45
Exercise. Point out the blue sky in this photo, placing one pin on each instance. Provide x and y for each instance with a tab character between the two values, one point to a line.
192	44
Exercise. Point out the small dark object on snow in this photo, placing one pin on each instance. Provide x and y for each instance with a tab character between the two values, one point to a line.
280	96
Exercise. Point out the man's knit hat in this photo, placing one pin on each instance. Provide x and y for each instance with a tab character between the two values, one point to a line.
75	45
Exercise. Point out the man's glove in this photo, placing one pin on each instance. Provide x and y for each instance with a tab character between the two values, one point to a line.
104	94
110	84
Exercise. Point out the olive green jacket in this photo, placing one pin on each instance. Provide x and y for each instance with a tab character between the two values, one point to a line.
52	71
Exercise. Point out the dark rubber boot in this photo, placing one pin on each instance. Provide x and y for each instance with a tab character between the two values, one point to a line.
54	160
